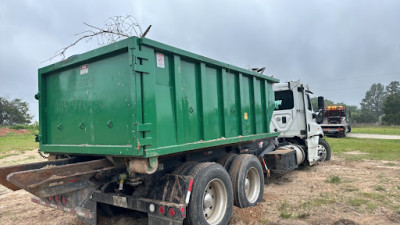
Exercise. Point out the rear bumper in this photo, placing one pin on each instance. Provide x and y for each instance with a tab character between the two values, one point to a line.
333	130
78	211
171	213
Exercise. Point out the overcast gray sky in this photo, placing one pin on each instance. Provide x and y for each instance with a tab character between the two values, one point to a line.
339	47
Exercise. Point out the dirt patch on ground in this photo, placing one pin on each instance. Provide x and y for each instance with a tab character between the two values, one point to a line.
356	153
365	192
5	131
336	192
374	136
17	157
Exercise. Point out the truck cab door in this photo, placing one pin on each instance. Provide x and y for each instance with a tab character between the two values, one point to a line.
284	116
311	126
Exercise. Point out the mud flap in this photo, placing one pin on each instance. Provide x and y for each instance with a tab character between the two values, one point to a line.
175	188
78	203
92	207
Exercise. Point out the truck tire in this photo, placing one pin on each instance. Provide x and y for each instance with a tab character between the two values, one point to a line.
226	161
324	147
184	168
211	201
247	180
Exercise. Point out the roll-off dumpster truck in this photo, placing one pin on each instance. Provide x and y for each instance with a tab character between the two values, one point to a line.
145	126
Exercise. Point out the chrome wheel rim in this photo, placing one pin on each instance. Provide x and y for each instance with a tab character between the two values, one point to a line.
252	185
215	201
322	149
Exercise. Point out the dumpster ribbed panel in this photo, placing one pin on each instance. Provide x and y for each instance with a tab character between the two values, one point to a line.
142	98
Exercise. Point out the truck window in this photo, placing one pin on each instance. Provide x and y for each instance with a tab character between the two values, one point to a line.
309	103
287	99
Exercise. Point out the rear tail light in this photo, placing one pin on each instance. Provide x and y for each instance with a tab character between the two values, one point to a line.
161	210
183	212
64	200
171	211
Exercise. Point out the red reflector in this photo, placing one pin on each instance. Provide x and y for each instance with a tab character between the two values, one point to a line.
190	185
161	209
73	180
183	212
56	199
171	211
64	200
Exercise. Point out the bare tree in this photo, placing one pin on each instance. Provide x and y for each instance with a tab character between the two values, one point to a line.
115	29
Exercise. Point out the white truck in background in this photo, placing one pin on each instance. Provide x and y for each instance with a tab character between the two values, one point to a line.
298	124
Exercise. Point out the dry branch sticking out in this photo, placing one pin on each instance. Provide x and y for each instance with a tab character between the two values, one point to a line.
115	29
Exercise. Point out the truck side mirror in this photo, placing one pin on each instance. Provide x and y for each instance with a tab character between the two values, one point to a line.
320	117
321	103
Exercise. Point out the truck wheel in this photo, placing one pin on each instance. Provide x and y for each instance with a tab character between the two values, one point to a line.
247	180
226	161
211	201
325	149
184	168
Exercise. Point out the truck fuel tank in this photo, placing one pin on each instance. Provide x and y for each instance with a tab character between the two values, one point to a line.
285	158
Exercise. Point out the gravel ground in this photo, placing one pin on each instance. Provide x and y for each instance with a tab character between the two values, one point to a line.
334	192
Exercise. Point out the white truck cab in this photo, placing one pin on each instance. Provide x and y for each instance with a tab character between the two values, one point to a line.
295	119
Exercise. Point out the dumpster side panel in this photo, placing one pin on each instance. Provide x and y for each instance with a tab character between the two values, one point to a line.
232	105
212	106
90	108
87	103
202	102
142	98
165	107
190	102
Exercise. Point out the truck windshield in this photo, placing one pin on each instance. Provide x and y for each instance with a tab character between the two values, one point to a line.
287	99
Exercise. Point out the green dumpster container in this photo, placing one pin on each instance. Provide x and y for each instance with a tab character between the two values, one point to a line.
142	98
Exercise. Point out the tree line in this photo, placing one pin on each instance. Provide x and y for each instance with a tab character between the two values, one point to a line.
14	111
381	104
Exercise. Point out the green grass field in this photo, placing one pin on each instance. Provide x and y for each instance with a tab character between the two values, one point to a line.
372	149
20	142
392	130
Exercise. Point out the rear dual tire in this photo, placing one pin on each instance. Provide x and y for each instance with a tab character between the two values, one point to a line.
211	201
215	191
247	180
